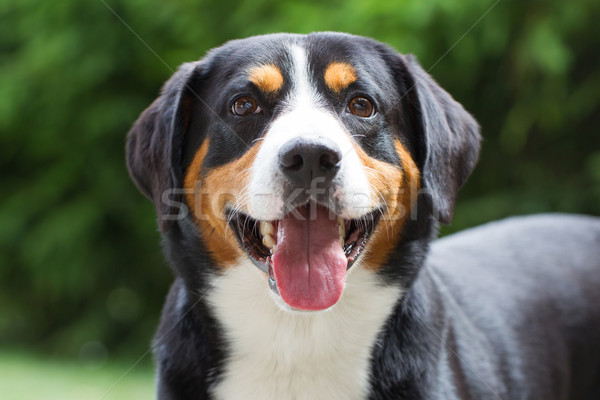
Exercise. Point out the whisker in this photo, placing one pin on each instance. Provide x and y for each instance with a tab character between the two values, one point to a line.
381	211
237	206
375	170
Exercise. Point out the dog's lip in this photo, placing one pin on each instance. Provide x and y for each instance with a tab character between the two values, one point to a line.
247	231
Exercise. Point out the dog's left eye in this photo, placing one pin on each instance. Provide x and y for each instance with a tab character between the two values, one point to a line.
244	106
361	107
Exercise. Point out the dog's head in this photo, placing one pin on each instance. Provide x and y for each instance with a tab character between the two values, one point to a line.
304	154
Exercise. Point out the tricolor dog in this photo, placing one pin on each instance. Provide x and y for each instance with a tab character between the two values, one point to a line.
299	181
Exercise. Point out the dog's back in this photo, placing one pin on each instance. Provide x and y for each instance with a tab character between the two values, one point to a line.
522	301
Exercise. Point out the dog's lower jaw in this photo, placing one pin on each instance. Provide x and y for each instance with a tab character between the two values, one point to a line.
275	353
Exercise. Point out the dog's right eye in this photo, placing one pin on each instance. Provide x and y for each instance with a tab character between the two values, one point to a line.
244	106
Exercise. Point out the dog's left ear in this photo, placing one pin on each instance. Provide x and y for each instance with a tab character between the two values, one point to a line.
154	143
447	134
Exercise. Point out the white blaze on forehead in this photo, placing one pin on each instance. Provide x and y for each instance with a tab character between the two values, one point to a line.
303	92
306	115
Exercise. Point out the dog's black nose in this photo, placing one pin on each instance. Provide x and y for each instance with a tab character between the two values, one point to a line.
303	160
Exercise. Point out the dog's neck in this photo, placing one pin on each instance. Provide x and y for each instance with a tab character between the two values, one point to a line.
273	353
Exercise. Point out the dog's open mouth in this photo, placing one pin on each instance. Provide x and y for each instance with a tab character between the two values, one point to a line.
306	253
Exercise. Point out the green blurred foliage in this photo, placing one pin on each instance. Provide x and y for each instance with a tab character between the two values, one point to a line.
79	254
61	379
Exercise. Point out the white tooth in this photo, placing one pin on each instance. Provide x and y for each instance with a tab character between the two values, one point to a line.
268	241
266	228
341	230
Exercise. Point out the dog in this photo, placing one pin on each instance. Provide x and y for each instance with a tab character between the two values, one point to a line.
299	183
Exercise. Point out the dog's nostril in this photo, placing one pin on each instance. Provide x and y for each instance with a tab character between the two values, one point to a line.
329	160
294	162
304	159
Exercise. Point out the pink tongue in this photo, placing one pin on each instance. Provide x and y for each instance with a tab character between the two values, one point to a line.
309	263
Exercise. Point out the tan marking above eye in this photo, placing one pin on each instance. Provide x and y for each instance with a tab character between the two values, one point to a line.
267	78
339	75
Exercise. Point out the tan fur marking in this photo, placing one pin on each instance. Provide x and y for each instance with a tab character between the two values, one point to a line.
267	78
398	187
208	194
339	76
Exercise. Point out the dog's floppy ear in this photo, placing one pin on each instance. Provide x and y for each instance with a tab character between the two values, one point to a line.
449	137
154	143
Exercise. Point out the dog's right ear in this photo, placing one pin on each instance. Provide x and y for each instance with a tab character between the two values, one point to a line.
154	143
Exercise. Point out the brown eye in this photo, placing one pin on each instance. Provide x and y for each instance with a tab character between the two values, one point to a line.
361	107
245	106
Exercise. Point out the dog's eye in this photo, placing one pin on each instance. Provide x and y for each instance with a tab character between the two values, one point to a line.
361	107
245	106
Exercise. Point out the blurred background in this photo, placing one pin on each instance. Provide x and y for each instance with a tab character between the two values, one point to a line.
82	279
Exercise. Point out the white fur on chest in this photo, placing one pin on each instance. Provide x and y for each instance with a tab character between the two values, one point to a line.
278	354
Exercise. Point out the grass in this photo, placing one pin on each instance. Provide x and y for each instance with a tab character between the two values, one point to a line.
24	376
